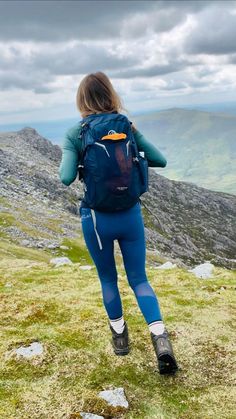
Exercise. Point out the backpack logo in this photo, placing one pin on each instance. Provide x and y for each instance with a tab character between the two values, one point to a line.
111	132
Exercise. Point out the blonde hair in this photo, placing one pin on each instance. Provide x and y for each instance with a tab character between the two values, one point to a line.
96	94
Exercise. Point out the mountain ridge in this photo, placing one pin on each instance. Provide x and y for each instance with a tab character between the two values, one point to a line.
200	146
182	221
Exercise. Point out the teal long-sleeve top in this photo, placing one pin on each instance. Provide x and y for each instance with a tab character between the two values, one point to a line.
71	152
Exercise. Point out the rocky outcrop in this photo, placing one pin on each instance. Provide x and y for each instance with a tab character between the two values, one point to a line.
190	222
182	221
29	167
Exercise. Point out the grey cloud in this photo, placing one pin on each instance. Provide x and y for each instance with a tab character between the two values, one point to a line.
36	81
185	84
163	17
160	20
152	71
81	59
232	59
34	71
63	20
174	85
215	32
57	21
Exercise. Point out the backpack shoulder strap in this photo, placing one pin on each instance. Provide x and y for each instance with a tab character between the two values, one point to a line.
85	141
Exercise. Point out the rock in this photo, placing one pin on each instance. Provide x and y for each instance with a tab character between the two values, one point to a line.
64	247
61	261
8	285
25	242
52	246
167	265
46	243
85	415
86	267
203	271
34	349
115	397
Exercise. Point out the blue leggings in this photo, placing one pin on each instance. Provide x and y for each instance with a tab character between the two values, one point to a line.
100	229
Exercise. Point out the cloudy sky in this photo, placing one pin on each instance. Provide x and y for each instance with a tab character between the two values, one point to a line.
158	54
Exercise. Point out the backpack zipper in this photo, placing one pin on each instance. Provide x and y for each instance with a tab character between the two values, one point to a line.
102	145
127	147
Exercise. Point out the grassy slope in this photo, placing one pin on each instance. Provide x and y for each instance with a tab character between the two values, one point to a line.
60	307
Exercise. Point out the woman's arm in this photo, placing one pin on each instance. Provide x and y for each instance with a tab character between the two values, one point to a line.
154	156
71	148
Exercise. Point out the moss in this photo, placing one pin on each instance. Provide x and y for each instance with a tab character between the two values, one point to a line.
31	230
11	250
6	219
77	251
4	201
85	314
23	369
195	232
147	219
47	312
52	225
181	399
62	308
76	339
12	179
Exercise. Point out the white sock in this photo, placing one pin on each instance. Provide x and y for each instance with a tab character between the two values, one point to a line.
118	324
157	327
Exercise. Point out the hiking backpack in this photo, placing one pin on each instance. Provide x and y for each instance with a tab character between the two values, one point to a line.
112	171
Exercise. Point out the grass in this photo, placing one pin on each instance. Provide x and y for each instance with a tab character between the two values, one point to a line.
76	251
14	252
6	219
62	308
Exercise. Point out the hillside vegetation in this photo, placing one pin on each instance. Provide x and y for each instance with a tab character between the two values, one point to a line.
62	309
200	146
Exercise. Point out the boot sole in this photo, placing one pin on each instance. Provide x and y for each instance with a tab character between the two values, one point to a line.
124	351
167	365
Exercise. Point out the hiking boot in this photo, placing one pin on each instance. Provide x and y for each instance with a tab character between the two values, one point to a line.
165	357
120	341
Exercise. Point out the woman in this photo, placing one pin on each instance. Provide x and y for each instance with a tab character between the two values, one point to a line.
96	95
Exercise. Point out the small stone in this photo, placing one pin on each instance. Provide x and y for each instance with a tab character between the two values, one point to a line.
61	261
114	397
25	242
64	247
52	246
167	265
86	267
34	349
204	270
40	244
85	415
8	285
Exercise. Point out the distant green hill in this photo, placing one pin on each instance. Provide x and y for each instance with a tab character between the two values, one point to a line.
200	147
